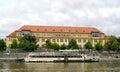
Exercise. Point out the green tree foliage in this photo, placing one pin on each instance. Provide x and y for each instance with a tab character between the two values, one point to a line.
107	46
112	43
98	46
48	44
63	46
88	45
55	46
115	45
2	45
28	42
79	46
14	44
72	44
118	39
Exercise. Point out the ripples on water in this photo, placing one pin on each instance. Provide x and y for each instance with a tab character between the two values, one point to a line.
60	67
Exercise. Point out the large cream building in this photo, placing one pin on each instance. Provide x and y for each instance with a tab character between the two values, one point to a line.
59	34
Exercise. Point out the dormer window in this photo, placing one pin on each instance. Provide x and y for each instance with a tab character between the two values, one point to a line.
61	30
53	30
69	30
95	34
76	30
37	29
45	29
25	32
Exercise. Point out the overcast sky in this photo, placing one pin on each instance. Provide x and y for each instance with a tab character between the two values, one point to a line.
102	14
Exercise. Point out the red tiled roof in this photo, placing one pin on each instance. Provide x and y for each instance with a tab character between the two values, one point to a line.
59	29
12	34
64	29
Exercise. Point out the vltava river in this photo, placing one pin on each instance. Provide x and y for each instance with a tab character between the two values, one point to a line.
60	67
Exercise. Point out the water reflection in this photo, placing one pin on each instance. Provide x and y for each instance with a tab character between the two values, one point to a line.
59	67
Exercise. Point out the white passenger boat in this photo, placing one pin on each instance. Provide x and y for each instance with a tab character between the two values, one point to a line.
59	57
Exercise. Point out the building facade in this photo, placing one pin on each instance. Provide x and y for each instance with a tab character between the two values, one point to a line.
59	34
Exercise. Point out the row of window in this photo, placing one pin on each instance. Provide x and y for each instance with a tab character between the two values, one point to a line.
63	40
57	35
67	40
63	35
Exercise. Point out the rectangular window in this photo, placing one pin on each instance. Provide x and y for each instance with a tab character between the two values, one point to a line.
61	40
65	40
95	40
57	40
37	34
43	34
53	40
48	34
69	40
101	41
56	35
84	40
37	40
11	39
79	40
43	40
79	35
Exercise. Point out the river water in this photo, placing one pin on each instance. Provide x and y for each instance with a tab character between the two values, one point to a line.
60	67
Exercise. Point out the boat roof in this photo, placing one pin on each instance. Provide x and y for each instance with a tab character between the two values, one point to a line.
75	50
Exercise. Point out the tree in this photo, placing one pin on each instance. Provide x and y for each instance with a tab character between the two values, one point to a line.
98	46
118	39
48	44
112	43
88	45
115	46
14	44
2	45
107	46
63	46
28	42
55	46
73	44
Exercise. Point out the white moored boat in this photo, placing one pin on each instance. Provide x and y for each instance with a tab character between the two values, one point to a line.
58	57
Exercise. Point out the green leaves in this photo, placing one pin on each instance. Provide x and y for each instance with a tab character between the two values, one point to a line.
52	45
28	42
55	46
63	46
14	44
113	43
98	46
88	45
72	44
48	44
2	45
